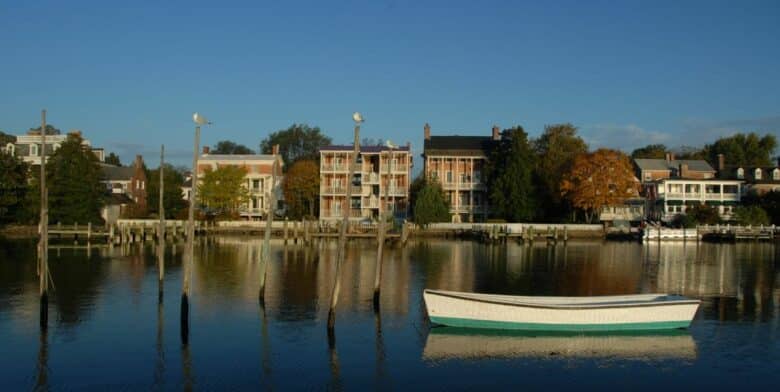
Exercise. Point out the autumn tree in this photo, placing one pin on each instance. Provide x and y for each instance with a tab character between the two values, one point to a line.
509	175
555	151
173	202
221	191
301	187
650	151
601	178
231	148
13	186
297	142
430	203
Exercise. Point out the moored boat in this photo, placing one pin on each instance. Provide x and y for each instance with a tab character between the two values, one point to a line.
639	312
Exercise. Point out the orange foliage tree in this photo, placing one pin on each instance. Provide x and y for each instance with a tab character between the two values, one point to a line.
301	189
597	179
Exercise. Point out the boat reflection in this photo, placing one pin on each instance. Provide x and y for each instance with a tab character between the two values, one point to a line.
445	343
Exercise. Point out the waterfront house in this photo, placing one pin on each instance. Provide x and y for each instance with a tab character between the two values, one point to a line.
370	182
458	163
258	179
757	179
125	189
671	186
28	147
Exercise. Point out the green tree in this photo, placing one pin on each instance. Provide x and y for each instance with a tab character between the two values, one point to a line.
13	187
222	192
509	177
5	139
650	151
297	142
113	159
301	187
742	150
174	204
751	215
73	181
555	149
231	148
50	130
430	204
769	202
703	214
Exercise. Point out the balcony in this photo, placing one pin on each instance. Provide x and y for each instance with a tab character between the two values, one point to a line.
370	178
334	167
334	190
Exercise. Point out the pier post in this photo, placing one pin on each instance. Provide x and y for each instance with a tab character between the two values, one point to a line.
286	222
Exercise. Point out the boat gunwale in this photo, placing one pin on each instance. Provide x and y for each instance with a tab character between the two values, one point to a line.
466	297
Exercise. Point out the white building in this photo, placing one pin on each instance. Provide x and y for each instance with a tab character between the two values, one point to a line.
675	196
30	149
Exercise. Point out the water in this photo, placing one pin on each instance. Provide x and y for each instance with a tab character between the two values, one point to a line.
108	332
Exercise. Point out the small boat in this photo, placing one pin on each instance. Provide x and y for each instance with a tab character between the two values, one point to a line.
640	312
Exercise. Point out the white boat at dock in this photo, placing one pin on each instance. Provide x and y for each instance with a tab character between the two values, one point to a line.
531	313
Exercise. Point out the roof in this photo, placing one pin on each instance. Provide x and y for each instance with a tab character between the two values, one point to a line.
118	199
236	157
663	164
116	173
472	144
364	149
749	174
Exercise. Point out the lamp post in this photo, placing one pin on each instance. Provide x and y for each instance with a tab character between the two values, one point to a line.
334	298
190	254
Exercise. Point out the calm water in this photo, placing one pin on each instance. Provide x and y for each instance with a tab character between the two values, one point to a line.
108	332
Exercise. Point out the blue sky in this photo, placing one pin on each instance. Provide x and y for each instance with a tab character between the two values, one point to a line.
627	73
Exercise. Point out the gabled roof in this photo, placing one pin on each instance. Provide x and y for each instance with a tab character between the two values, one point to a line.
459	145
663	164
116	173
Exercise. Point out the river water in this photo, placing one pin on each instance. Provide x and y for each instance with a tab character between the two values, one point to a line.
107	330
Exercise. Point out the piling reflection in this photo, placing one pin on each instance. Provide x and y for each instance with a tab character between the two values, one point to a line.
452	343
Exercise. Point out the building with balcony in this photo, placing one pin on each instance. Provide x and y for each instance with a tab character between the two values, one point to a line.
672	186
258	179
380	170
458	163
29	147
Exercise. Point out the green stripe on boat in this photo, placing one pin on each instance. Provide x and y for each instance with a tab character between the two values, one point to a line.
488	324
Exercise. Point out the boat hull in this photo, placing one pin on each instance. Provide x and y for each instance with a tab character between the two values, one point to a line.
623	313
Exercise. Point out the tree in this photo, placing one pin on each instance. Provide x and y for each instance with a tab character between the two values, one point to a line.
113	159
703	214
301	187
430	203
222	192
231	148
73	181
50	130
650	151
751	215
6	138
297	142
601	178
742	150
555	149
769	202
13	187
509	175
173	202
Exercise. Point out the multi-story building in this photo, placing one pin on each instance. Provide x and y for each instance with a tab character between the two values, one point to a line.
369	183
29	147
458	163
758	179
126	188
258	179
672	186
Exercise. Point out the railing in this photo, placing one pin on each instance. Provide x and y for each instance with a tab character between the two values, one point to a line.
334	167
331	190
370	177
399	168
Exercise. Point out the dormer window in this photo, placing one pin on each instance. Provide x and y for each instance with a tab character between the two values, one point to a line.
776	174
740	173
33	150
757	174
9	148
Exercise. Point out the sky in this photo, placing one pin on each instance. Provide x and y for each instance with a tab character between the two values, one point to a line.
628	73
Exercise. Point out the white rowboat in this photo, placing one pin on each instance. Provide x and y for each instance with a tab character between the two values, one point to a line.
604	313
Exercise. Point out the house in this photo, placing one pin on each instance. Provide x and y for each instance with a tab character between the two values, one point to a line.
258	179
370	183
458	163
672	186
757	179
29	146
126	190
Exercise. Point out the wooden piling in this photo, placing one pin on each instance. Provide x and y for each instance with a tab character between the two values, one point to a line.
269	219
190	252
43	257
286	222
161	232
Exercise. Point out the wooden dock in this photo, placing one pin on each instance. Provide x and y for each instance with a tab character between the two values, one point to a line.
715	233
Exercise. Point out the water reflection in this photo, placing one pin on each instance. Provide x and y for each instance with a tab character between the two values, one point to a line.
451	343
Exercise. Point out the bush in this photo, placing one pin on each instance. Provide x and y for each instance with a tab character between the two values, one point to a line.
751	215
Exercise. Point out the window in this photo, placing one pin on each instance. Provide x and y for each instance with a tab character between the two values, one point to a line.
710	189
143	184
449	176
692	188
33	150
776	174
9	148
740	173
730	188
757	174
256	184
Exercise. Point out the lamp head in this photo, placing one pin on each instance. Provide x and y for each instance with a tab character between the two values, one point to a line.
357	117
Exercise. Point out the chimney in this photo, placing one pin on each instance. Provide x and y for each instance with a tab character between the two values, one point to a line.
496	132
668	157
275	149
139	161
683	170
721	162
206	150
427	129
